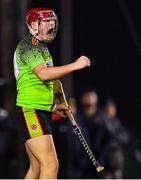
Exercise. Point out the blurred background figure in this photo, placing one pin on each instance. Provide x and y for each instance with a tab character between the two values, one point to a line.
138	152
77	158
112	138
85	114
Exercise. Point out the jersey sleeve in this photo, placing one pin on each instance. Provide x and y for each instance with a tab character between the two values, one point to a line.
34	57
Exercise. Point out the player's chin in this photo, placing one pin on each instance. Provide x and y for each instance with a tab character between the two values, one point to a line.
48	37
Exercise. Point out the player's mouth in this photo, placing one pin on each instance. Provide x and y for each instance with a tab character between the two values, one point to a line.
50	31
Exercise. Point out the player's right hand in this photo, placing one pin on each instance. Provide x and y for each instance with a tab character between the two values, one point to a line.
82	62
60	109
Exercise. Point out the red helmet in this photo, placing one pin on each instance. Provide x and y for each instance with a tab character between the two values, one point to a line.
36	14
39	13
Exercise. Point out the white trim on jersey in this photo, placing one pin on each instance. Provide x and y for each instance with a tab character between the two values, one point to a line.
16	68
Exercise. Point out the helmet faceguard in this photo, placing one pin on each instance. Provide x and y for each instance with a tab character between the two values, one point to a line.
37	15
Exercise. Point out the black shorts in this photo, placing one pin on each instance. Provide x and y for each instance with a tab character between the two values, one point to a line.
33	123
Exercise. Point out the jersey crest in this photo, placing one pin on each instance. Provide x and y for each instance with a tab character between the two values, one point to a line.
35	41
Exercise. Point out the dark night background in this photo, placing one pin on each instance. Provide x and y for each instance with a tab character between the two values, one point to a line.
104	35
109	33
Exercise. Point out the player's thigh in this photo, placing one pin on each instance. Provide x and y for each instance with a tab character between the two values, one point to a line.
43	148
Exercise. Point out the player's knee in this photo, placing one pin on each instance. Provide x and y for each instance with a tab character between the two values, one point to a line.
52	164
55	165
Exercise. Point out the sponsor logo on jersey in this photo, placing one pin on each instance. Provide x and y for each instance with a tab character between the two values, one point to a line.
35	41
49	63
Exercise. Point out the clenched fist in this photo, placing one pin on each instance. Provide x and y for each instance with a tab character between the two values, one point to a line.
82	62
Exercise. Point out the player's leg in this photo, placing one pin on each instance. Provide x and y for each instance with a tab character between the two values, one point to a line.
43	149
36	133
34	168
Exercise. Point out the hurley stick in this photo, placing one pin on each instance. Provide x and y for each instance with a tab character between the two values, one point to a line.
58	90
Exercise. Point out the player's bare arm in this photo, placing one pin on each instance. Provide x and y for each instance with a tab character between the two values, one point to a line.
50	73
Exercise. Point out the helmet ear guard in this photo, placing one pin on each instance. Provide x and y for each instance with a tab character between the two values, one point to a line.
33	32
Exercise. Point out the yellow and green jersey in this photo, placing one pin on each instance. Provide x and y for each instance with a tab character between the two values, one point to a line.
31	91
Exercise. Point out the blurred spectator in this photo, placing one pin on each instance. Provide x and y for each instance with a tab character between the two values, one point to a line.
112	137
103	132
85	116
77	158
89	113
138	152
